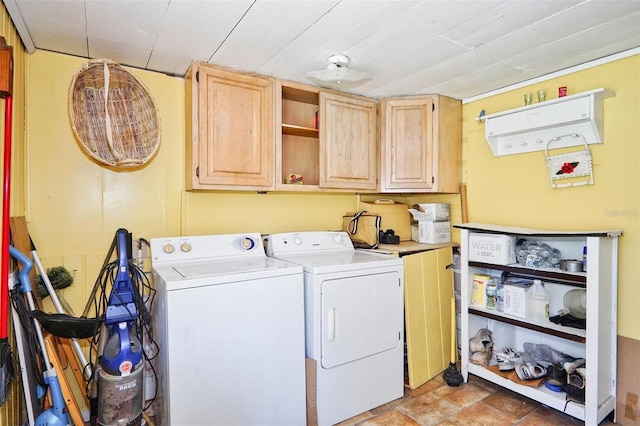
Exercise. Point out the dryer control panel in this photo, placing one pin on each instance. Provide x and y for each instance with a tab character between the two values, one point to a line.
311	241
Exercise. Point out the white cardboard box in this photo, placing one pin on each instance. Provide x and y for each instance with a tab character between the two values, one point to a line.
492	248
432	211
431	232
515	302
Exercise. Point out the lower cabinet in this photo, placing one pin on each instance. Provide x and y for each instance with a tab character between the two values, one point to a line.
428	283
590	392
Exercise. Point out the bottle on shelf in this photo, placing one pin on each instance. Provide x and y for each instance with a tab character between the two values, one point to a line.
500	296
537	302
491	301
478	291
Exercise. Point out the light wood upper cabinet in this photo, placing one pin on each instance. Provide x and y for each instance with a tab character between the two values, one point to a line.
420	148
230	141
347	142
252	132
327	137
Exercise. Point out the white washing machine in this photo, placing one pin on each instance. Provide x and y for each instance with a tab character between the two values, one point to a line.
230	326
354	321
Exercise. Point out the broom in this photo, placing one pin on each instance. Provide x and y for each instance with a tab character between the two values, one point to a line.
59	277
452	375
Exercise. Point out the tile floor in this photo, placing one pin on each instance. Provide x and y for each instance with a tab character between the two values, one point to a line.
477	402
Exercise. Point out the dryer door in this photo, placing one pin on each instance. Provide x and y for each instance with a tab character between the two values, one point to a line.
361	316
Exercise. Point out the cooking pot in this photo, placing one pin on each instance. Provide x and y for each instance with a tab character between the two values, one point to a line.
571	265
575	303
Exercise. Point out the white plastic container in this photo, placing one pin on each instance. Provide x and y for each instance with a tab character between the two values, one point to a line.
537	303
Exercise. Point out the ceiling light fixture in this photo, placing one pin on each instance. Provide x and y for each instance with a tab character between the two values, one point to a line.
337	71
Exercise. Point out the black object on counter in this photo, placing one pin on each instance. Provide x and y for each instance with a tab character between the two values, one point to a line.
389	237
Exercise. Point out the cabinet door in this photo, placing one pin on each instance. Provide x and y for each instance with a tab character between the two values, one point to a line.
233	131
347	142
407	148
421	139
428	299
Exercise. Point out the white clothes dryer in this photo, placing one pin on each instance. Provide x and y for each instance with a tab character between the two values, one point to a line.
354	322
230	328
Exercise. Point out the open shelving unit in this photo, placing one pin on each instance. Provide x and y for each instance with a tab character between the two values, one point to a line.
300	136
596	344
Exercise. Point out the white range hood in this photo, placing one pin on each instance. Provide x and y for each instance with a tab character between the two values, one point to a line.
530	128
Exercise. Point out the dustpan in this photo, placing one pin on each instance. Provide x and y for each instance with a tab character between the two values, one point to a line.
570	168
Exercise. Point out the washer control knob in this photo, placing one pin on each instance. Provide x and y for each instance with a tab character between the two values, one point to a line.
168	248
247	243
297	241
337	238
185	247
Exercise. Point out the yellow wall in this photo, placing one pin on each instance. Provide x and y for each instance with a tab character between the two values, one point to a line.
516	190
75	206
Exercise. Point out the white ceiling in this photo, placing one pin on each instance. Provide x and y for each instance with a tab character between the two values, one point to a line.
459	48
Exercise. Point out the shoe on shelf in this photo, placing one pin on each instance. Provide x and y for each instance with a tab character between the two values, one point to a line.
576	388
556	375
482	341
530	371
570	367
507	359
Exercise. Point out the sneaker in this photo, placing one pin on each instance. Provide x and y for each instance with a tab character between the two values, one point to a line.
530	371
507	359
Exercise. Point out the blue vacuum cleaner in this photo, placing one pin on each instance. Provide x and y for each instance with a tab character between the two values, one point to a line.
56	415
120	380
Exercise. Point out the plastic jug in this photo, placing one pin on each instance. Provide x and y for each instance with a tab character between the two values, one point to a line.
537	303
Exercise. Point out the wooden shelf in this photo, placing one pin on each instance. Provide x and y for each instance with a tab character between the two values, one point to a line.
577	279
308	95
290	129
574	334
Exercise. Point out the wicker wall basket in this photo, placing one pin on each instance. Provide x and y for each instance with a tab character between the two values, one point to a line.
113	116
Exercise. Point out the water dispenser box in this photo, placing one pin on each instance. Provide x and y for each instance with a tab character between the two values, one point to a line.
490	248
431	232
515	302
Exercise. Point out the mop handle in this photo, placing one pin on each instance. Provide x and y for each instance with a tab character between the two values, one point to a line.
26	289
4	280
